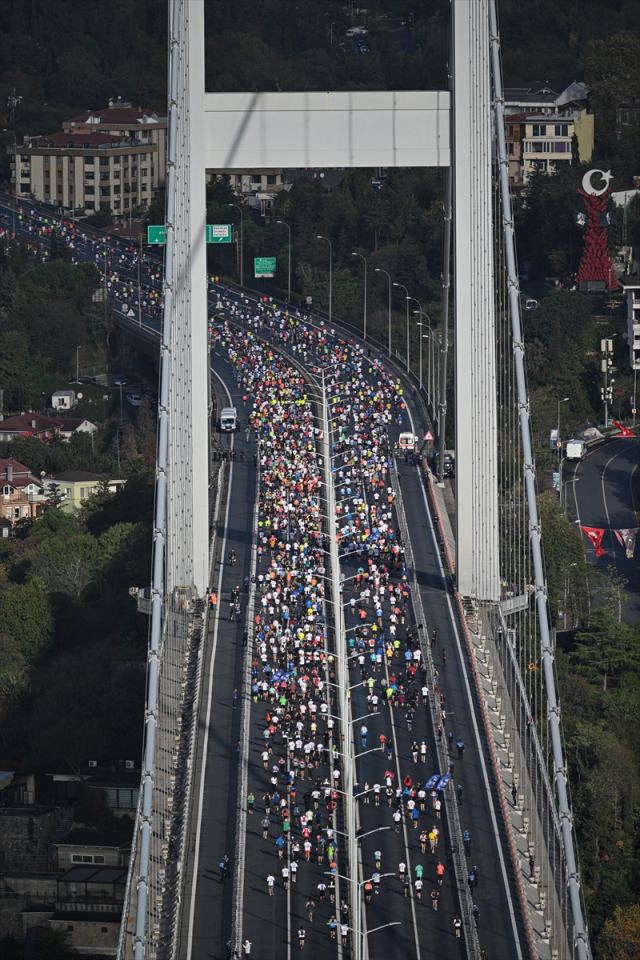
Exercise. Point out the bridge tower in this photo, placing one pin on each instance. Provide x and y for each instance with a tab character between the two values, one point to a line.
405	128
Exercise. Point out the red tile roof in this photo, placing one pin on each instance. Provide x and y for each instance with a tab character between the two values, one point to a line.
28	423
116	114
77	140
22	476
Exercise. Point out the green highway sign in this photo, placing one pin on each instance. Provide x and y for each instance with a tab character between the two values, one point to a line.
156	235
265	266
218	233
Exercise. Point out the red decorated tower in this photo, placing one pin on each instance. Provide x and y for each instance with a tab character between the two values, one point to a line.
596	264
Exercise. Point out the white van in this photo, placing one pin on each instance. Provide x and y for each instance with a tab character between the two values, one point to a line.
575	450
228	420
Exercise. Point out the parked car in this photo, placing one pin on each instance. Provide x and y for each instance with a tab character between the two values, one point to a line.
90	380
134	399
120	381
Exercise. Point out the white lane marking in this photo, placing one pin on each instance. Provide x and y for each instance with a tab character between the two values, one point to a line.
196	862
633	499
604	500
404	823
480	751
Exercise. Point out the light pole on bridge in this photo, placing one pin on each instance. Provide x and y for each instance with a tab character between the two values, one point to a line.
362	257
284	223
238	207
380	270
407	298
330	274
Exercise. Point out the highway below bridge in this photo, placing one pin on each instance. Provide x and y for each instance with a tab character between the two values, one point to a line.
603	491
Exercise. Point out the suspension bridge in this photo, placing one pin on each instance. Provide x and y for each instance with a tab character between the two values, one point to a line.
472	551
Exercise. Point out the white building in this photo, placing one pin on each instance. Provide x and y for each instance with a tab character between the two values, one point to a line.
63	399
630	283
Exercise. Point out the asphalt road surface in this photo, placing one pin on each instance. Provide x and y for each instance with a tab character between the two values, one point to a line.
271	923
603	490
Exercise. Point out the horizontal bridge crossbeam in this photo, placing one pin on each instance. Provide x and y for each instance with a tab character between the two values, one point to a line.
359	128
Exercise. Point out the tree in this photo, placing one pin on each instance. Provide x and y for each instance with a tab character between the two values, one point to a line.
66	565
607	648
21	371
101	218
620	938
55	496
146	432
612	73
85	709
102	317
25	615
56	946
129	449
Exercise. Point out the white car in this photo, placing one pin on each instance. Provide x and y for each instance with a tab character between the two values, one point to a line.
134	399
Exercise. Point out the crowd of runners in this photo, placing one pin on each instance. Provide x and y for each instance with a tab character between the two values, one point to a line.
116	261
299	796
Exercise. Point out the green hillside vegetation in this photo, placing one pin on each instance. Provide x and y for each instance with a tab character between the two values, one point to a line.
67	621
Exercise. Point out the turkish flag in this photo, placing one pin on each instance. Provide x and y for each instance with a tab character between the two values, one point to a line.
624	431
595	535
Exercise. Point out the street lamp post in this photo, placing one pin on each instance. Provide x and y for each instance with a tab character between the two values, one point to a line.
380	270
140	284
407	298
120	425
238	207
289	277
432	371
330	274
362	257
559	442
15	160
359	933
78	349
415	300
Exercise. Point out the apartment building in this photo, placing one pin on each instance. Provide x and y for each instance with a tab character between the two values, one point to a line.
21	492
250	181
542	141
113	159
87	170
630	284
121	119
